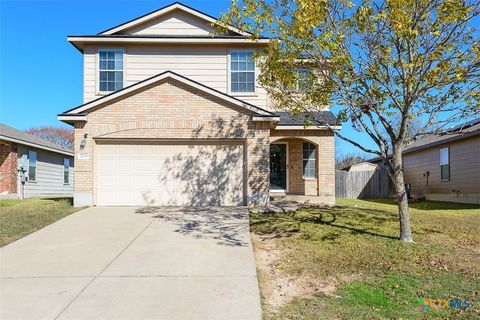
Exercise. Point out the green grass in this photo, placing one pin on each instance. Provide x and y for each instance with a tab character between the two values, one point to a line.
19	218
379	277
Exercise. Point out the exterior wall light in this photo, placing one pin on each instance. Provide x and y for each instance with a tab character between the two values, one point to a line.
83	143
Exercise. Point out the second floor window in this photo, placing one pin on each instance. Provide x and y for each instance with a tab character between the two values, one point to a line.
242	68
110	66
303	79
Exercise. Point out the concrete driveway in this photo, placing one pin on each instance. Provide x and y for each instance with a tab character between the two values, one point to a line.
133	263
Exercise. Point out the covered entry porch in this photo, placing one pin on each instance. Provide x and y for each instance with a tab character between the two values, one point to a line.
302	165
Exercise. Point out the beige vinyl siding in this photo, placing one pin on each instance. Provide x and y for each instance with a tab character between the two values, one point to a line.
173	23
205	64
49	180
464	168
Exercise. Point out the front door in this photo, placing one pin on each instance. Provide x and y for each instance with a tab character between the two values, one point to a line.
278	167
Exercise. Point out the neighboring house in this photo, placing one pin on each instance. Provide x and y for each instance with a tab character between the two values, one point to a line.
362	166
445	167
173	115
48	167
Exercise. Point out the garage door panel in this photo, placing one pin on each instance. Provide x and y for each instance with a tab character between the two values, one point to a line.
170	174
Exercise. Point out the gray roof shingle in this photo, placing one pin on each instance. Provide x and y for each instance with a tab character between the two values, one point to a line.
461	131
319	118
8	133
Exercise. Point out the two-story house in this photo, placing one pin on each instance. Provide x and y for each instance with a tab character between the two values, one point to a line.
174	115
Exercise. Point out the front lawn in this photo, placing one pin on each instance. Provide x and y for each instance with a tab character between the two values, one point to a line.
19	218
346	262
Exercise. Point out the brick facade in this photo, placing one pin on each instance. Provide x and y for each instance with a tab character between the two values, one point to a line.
8	168
173	110
323	186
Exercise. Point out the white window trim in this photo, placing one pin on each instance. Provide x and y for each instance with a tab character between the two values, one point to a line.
69	166
442	164
316	162
229	76
36	166
97	70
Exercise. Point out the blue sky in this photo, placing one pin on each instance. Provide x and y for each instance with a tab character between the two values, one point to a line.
41	73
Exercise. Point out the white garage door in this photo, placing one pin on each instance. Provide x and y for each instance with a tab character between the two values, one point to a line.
189	174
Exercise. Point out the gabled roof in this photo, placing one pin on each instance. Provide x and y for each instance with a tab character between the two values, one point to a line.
78	113
8	133
117	34
164	10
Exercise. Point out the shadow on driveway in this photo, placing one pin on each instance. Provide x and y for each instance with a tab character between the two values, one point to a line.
229	226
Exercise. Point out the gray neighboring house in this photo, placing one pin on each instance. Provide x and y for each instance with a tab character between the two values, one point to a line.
48	166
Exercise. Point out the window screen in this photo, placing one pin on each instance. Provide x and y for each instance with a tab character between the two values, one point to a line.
110	70
309	160
242	68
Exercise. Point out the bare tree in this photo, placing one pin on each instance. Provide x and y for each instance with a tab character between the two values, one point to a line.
399	70
347	160
64	137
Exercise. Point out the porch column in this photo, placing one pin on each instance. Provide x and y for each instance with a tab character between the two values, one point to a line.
326	167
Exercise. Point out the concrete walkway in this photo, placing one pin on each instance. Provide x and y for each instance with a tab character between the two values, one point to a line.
133	263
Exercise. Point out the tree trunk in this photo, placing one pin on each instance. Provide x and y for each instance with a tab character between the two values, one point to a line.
402	198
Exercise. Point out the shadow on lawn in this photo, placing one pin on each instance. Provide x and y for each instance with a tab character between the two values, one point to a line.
352	220
427	204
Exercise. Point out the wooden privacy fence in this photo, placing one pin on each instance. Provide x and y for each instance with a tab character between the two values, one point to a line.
363	184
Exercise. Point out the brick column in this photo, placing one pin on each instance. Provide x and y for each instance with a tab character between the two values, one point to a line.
258	164
8	168
326	167
83	185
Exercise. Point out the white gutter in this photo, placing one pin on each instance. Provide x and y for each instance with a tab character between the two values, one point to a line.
71	118
287	127
165	40
266	119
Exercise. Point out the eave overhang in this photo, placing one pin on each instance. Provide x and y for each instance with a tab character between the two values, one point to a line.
79	42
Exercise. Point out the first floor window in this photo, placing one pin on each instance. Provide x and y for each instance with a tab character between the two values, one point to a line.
242	71
110	66
309	159
444	164
32	166
66	171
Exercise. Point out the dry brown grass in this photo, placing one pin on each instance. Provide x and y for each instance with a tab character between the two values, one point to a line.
354	248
